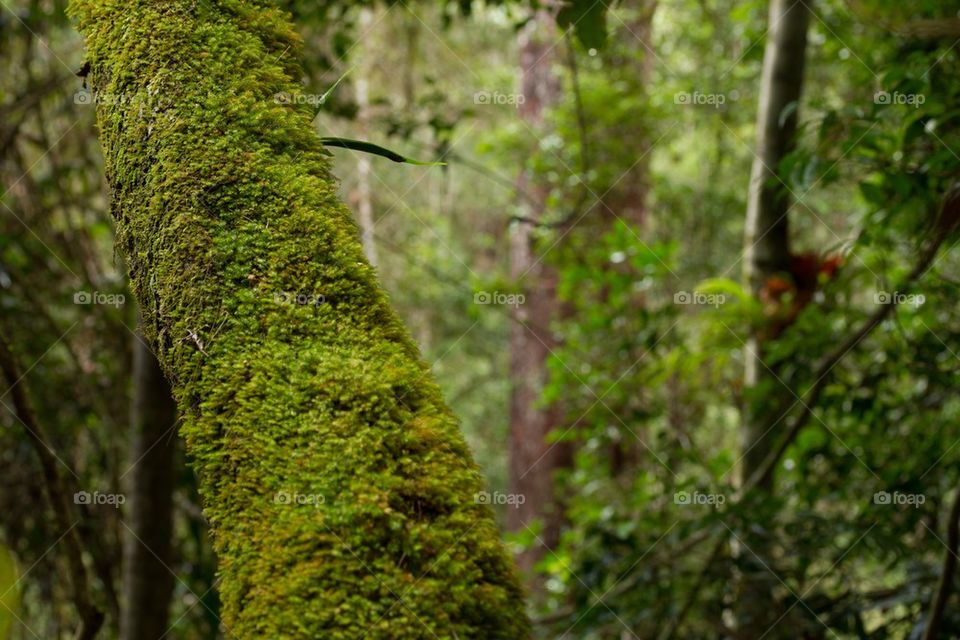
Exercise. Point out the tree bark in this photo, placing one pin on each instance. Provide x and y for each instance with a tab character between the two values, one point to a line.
627	200
341	495
767	253
364	168
148	538
533	460
767	244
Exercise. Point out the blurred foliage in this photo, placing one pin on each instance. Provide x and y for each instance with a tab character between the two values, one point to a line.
874	165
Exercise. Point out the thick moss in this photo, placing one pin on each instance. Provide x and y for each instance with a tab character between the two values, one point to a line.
224	206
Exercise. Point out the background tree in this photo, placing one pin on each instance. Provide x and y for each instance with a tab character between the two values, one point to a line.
534	459
767	258
148	580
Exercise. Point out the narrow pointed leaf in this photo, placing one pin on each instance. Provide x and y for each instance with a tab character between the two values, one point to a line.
328	92
377	150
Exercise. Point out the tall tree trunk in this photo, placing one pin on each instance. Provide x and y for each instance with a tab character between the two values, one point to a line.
767	242
364	197
626	201
341	495
767	253
533	460
148	535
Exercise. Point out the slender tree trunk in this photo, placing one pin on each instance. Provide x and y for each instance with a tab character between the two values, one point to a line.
767	242
626	200
767	253
148	536
534	461
341	495
364	168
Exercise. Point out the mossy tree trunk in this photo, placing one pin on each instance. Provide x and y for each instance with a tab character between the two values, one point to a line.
339	490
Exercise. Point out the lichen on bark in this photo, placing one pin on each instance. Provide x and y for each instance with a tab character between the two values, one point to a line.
338	487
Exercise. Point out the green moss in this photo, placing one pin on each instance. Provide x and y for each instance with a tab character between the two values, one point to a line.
224	201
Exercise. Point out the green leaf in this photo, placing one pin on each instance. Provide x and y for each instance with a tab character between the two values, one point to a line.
323	98
873	194
725	286
377	150
588	18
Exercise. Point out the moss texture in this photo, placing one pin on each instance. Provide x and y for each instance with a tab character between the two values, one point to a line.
226	212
